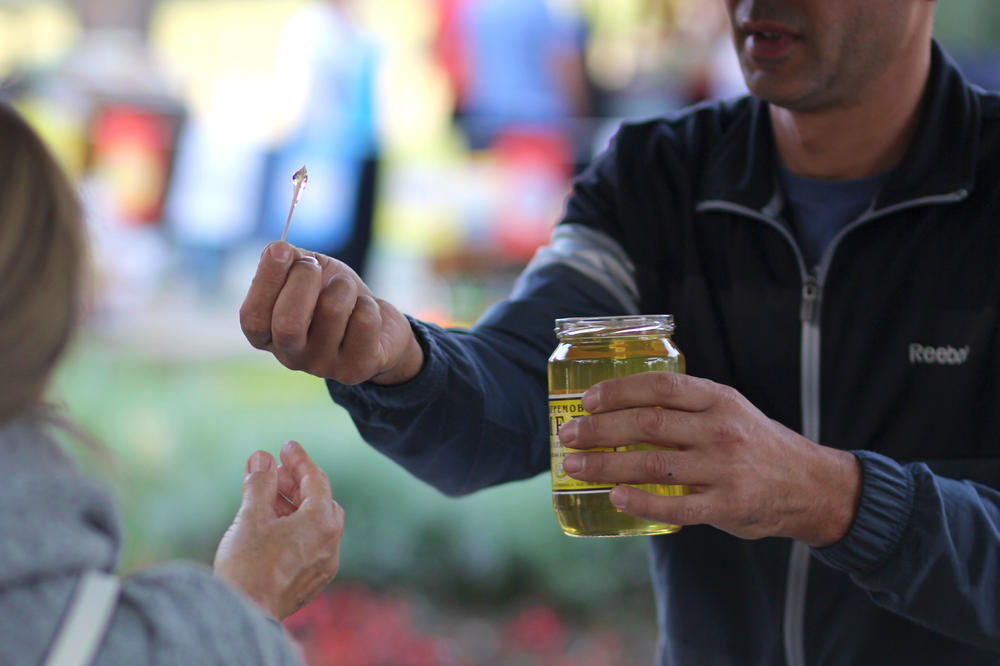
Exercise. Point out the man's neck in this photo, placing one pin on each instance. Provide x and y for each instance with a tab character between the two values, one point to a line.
859	140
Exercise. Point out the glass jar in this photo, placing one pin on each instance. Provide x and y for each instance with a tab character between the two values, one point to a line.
590	350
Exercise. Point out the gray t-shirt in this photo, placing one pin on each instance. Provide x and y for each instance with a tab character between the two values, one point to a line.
56	524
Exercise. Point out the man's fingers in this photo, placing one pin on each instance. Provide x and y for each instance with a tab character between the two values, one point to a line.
649	425
674	510
332	267
362	342
636	467
334	307
294	308
272	271
653	389
260	483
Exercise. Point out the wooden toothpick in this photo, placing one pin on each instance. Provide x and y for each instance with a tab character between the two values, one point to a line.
299	180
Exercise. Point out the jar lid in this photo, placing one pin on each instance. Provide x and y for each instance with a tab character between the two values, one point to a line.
580	327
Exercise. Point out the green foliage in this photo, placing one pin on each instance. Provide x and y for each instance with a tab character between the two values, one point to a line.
180	432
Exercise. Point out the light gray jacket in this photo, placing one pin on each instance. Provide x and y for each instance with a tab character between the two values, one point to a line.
56	524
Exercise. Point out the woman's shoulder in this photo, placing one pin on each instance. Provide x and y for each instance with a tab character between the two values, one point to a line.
180	612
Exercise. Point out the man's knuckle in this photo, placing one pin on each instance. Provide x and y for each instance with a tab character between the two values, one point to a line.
366	312
656	465
286	330
665	383
725	431
362	344
292	362
586	427
354	373
255	326
688	514
730	397
651	422
339	289
331	303
259	341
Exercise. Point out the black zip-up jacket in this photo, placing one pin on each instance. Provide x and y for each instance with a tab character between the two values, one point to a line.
890	348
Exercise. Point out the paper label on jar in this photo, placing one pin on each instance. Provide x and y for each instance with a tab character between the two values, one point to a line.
562	408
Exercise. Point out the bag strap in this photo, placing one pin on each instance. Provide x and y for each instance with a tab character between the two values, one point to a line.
86	621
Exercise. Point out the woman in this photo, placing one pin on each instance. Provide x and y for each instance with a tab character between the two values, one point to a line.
59	536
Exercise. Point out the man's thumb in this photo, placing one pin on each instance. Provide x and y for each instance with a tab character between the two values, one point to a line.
260	485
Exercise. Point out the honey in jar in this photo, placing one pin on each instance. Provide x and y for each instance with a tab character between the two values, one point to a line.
590	350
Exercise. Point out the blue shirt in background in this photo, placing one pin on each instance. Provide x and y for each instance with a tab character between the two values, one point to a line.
514	47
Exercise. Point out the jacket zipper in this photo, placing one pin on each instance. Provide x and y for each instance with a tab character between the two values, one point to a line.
797	581
793	629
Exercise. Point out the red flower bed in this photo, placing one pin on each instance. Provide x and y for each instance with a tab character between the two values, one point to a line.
351	626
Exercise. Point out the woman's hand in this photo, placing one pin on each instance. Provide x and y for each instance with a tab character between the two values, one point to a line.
283	546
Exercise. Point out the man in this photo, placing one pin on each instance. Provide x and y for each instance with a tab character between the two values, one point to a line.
828	249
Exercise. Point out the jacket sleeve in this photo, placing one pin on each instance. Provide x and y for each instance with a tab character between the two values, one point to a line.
477	413
181	613
926	547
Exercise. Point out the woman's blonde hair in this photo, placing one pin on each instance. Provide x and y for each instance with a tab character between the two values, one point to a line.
41	264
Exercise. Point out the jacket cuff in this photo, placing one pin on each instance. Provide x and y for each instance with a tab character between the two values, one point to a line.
887	493
397	396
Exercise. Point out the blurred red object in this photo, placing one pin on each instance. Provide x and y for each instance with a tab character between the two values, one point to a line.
348	626
449	48
131	153
537	630
535	171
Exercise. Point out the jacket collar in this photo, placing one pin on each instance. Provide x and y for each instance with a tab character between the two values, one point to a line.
940	159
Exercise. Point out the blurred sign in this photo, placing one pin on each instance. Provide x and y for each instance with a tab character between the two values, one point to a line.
132	150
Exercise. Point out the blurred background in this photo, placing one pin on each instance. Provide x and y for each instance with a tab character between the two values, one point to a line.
440	138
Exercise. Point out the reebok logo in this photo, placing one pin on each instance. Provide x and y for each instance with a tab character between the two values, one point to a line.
938	355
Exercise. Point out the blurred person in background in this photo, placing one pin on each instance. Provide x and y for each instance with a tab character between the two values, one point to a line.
522	100
709	65
522	67
325	101
60	531
828	246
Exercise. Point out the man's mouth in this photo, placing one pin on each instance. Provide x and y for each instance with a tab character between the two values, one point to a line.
768	29
767	40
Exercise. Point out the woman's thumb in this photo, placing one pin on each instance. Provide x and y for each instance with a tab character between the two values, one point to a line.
260	485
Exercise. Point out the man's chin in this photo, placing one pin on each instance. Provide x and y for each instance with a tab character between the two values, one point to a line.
784	96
